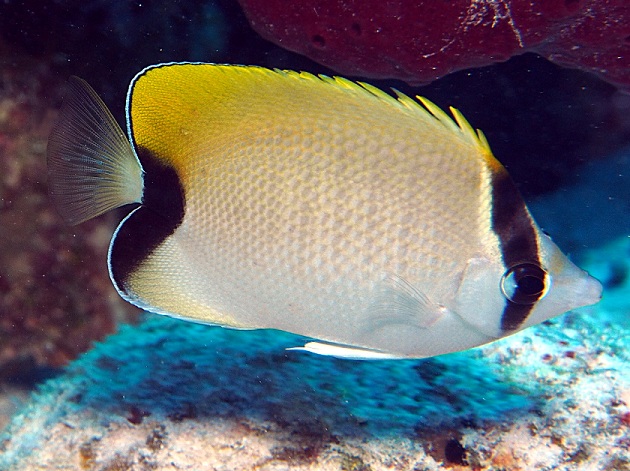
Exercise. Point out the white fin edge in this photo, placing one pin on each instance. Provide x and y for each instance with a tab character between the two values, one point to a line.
347	353
92	167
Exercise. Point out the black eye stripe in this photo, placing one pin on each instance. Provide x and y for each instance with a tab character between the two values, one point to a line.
518	241
512	223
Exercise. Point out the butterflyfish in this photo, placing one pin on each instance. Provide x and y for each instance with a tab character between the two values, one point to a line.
375	225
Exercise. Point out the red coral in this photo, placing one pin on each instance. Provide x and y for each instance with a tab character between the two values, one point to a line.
423	40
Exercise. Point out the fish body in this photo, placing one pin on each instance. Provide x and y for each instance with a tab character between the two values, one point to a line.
376	225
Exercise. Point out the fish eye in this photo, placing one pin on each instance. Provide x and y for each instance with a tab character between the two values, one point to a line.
524	283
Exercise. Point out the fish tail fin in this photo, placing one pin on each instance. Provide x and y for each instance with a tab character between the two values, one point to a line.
92	168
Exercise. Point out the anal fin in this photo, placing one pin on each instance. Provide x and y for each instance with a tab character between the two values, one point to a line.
346	352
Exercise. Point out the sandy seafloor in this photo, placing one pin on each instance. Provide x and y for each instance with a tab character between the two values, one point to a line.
171	395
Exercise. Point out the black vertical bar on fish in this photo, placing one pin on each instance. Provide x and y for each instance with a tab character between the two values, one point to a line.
517	237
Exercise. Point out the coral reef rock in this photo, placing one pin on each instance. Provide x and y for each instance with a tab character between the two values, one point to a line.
420	41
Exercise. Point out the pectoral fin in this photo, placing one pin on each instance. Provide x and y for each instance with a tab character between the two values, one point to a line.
397	301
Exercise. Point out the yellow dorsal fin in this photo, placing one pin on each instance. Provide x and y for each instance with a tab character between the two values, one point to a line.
176	110
460	124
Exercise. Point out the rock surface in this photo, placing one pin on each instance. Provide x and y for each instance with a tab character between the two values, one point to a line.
423	40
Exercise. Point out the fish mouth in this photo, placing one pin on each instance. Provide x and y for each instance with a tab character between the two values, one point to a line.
579	290
591	291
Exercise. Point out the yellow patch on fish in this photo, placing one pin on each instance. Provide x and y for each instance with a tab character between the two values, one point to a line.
374	224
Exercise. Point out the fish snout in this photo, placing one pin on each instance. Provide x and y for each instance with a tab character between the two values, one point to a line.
590	290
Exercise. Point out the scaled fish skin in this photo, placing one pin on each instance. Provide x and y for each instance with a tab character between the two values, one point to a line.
378	226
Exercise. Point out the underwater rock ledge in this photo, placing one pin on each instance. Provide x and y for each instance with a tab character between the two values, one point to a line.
174	395
419	42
